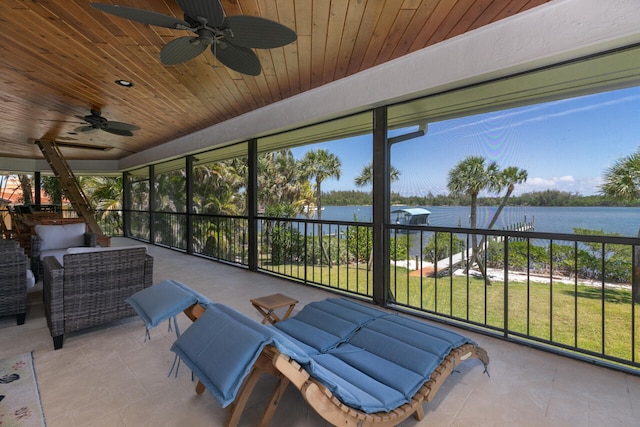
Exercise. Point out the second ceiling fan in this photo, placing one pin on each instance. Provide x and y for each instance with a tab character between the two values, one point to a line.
231	38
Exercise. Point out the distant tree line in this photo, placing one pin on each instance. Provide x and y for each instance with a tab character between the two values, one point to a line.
536	198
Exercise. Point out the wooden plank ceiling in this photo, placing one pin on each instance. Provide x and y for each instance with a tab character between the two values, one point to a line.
59	59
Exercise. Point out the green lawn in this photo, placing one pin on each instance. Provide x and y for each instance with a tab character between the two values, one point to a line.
558	312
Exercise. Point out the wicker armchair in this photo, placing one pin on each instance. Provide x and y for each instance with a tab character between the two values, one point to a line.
91	288
13	280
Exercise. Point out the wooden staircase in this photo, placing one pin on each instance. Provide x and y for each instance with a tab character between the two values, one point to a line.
70	187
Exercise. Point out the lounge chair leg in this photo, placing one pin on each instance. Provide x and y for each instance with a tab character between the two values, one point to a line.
200	387
419	414
273	402
243	397
20	318
57	342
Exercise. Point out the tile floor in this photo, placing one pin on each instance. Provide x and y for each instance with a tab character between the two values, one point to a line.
110	376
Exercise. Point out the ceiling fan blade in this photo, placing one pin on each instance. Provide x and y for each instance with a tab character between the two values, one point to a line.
84	129
256	32
181	49
121	126
61	121
82	146
142	16
211	10
238	58
120	132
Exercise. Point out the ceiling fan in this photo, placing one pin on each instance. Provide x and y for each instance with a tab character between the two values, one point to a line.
95	121
231	37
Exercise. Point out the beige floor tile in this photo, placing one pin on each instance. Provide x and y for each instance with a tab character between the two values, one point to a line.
113	376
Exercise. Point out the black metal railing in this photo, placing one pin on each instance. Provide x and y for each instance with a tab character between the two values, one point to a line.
170	230
575	294
332	254
221	237
568	293
110	222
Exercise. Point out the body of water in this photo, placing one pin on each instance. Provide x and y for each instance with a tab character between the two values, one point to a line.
622	220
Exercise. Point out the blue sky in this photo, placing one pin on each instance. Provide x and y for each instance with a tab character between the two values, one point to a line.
564	145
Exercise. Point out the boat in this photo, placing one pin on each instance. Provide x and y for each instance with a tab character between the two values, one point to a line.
410	216
311	209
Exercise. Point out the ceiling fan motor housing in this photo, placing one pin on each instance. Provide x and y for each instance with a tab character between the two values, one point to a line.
97	121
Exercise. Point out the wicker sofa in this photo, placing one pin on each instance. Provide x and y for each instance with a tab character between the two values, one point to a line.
89	287
14	280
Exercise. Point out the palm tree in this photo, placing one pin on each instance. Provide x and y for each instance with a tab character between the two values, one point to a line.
320	165
27	188
622	180
280	187
366	176
469	177
217	188
509	177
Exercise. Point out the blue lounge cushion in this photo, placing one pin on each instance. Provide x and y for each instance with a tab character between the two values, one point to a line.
307	334
220	351
326	324
162	301
369	359
378	360
351	311
314	315
390	348
413	332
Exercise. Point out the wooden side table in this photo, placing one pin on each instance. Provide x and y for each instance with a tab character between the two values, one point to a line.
268	304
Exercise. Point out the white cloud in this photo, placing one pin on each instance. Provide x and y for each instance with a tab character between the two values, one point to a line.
583	186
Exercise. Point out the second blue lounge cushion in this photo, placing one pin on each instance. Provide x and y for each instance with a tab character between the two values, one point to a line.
220	351
353	387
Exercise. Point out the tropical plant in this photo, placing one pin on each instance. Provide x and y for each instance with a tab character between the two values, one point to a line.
105	196
441	245
320	165
218	190
359	242
399	248
51	186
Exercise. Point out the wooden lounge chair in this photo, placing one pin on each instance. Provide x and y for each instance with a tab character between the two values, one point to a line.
288	371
